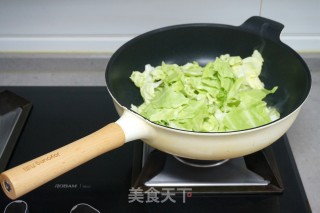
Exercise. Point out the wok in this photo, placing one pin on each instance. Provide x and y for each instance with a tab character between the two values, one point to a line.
180	44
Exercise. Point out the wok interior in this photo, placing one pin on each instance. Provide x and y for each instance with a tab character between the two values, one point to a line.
204	42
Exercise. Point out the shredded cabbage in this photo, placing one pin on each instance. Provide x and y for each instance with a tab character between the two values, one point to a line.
224	95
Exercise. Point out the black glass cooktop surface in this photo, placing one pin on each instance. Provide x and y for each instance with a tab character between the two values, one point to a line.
63	114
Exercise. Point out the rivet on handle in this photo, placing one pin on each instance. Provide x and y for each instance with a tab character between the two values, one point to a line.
7	186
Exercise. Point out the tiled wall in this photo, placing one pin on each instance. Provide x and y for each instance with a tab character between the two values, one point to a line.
102	26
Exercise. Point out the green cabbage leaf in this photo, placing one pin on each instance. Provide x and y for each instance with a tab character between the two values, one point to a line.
224	95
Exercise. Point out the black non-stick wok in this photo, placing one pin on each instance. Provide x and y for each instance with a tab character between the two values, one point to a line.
180	44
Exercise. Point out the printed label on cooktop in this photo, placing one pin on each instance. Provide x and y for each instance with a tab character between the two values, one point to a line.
72	186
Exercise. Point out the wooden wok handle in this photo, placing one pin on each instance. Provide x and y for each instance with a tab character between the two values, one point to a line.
28	176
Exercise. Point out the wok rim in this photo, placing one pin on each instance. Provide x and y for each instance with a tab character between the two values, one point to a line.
235	132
